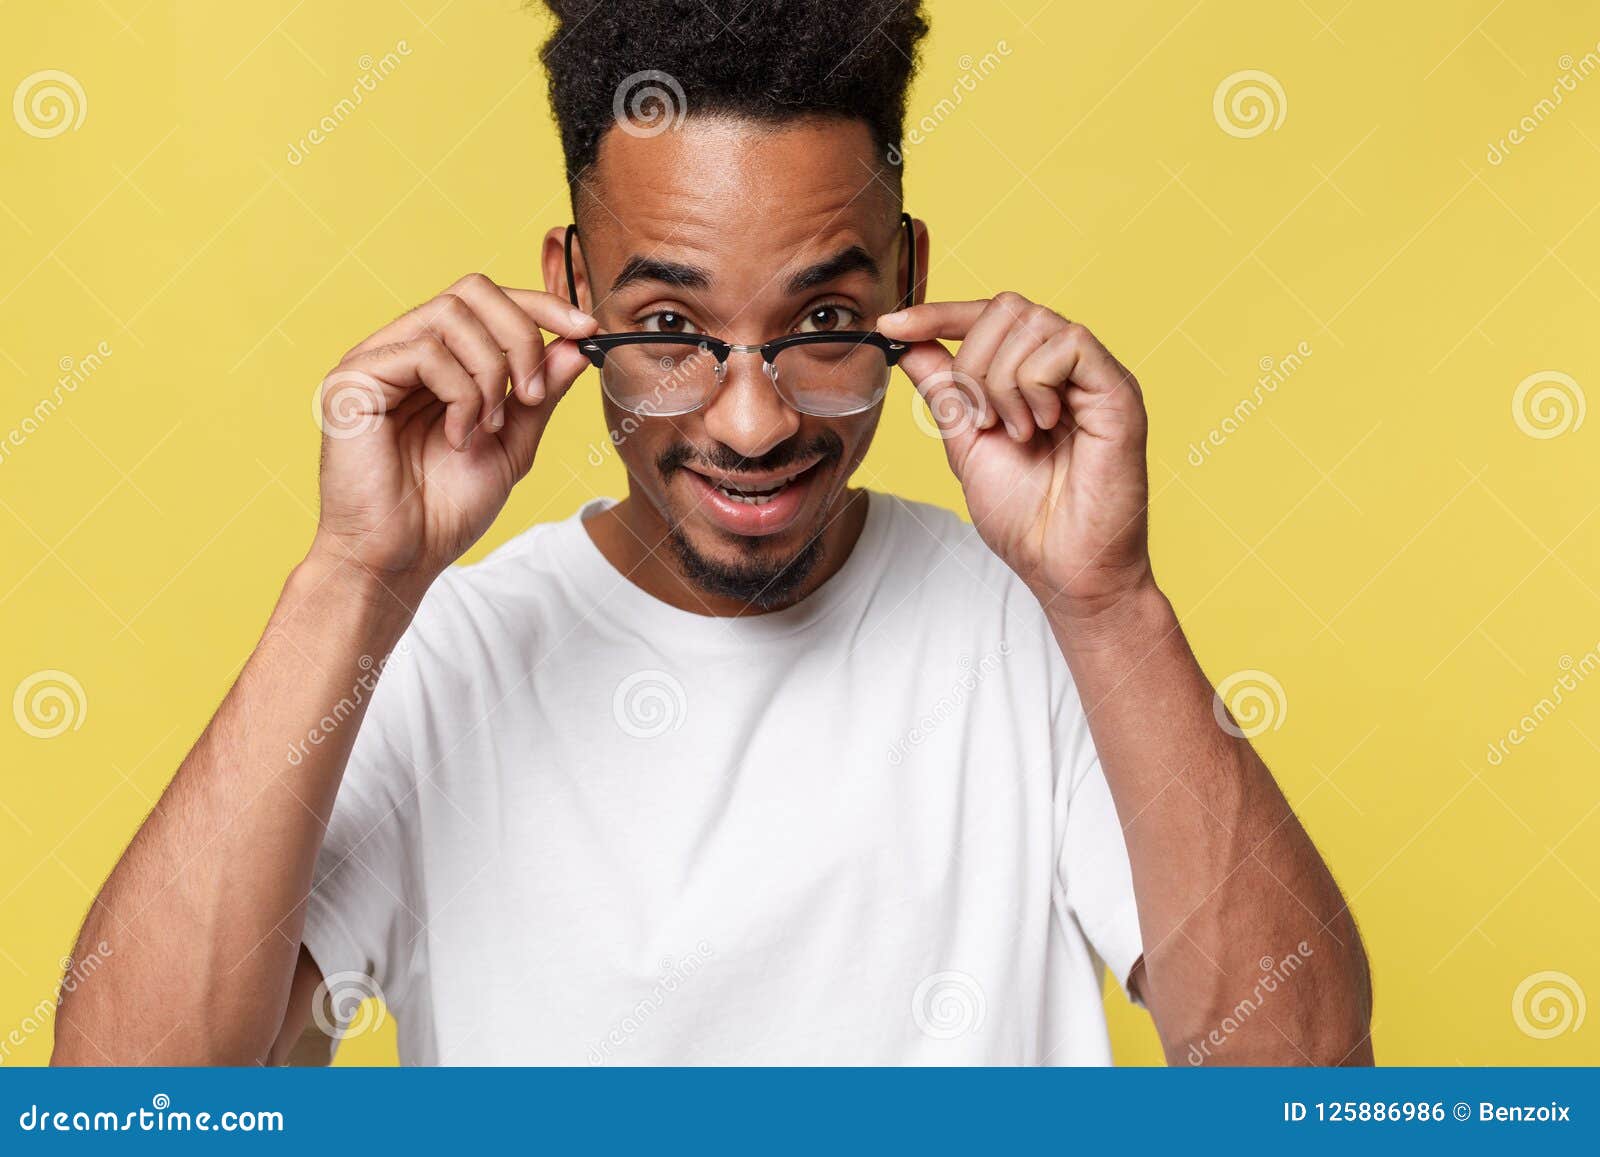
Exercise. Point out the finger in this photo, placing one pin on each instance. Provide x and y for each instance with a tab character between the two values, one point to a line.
548	310
513	330
454	322
949	320
476	348
1042	398
564	363
1102	394
426	363
975	358
924	360
553	313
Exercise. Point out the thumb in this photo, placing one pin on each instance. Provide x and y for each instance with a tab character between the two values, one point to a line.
564	363
957	401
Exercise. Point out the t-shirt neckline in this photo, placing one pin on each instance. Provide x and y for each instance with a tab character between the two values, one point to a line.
618	597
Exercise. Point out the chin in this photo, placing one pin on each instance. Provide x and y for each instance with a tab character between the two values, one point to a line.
766	572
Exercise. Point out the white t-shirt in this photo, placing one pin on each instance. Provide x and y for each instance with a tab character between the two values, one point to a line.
581	826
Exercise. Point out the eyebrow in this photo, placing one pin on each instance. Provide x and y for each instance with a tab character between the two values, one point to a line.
852	260
671	273
680	276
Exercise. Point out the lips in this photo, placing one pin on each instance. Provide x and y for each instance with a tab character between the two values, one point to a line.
753	504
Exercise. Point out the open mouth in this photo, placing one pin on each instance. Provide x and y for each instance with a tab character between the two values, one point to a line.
755	503
754	495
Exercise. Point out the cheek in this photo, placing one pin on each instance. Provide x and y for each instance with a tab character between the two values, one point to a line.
639	444
856	435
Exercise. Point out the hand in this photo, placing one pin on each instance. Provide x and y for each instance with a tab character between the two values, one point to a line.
421	443
1046	432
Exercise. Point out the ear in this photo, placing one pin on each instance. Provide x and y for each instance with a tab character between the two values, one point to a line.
919	231
553	260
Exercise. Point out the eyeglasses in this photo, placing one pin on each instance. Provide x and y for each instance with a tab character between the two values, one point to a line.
825	375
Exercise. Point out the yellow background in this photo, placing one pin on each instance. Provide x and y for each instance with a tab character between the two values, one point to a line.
1381	535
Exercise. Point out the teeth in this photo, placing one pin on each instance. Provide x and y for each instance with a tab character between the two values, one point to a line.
755	497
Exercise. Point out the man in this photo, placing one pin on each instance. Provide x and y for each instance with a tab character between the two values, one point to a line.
750	766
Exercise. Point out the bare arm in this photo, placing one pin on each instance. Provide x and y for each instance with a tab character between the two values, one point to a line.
1251	956
205	910
206	906
1245	933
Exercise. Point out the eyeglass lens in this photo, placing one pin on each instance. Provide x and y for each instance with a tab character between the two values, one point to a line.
824	379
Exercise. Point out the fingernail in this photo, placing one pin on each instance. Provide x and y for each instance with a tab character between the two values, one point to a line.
894	318
579	318
497	419
536	387
1012	430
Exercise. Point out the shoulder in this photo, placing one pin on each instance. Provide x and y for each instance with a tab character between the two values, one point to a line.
515	591
942	553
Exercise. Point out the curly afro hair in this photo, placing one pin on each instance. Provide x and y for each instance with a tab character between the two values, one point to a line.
768	60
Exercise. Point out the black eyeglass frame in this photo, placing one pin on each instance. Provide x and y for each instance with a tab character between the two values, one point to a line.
596	347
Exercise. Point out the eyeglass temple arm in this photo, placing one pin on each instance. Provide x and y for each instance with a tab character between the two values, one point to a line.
572	285
911	261
907	302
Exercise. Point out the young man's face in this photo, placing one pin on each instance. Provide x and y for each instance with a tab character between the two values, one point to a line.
744	232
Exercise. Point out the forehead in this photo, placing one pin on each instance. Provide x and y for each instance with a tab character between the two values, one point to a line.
722	191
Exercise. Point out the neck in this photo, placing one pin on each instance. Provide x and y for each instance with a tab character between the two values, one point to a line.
636	539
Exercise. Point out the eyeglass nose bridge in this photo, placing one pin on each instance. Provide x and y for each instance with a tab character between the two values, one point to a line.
768	363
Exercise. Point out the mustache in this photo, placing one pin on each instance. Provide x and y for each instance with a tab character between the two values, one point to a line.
823	446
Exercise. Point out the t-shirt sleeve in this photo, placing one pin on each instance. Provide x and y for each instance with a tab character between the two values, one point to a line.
1095	879
363	921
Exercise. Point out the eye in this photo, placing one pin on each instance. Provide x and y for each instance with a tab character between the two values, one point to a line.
828	318
666	321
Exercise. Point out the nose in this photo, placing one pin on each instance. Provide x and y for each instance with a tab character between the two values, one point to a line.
747	415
